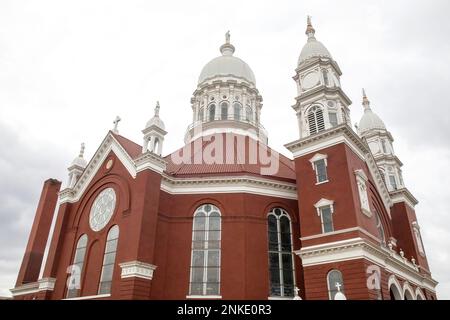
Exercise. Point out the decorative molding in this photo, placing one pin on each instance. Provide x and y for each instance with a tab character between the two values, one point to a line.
324	203
32	287
137	269
47	284
147	160
341	231
358	248
403	195
236	184
44	284
317	157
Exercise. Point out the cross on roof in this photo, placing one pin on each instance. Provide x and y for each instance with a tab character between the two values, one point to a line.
116	123
338	286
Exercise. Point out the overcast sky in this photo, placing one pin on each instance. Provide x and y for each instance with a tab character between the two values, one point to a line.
67	68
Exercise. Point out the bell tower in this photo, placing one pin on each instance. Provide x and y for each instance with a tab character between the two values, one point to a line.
320	103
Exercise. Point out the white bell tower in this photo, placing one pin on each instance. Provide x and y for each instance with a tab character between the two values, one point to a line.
154	133
321	103
373	130
76	168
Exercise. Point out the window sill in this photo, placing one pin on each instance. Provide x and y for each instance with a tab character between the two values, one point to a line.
98	296
280	298
204	297
322	182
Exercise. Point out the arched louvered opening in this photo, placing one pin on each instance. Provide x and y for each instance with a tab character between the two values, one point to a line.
315	120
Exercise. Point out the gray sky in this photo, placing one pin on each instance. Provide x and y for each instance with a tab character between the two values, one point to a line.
67	68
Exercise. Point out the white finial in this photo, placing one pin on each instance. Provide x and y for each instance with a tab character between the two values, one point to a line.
338	286
365	101
227	37
116	123
157	109
309	28
81	150
339	295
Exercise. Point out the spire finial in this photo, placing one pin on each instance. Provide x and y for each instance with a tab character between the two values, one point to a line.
157	109
227	49
309	28
116	123
81	151
365	101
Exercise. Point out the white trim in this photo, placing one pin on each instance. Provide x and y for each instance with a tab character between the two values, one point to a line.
393	281
236	184
320	235
407	287
358	248
324	203
24	289
203	297
137	269
147	160
47	284
98	296
420	293
322	182
317	157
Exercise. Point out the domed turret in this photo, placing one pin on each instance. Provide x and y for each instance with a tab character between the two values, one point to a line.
227	65
369	120
80	161
312	48
226	98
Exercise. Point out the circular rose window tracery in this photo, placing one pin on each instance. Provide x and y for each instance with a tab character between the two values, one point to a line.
102	209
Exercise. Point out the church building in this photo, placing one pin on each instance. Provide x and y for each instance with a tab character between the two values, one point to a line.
227	217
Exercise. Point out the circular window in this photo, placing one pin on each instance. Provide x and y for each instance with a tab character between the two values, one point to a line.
102	209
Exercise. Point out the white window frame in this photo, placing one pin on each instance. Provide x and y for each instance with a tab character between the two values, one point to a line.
205	256
361	181
328	283
324	203
313	160
280	253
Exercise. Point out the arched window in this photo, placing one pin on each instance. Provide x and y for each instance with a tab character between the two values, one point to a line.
212	111
315	119
74	286
205	257
201	114
109	259
380	229
281	267
224	111
335	281
237	109
156	145
248	114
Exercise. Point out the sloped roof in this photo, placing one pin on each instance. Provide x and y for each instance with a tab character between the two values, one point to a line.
239	163
196	163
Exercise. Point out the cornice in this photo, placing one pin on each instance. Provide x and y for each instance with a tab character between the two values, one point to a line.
358	248
324	90
403	195
237	184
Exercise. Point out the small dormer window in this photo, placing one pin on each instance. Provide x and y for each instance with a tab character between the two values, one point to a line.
237	108
319	165
224	111
325	210
315	120
212	112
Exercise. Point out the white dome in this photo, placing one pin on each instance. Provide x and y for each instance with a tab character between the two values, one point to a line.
79	161
339	296
369	121
156	121
313	48
227	65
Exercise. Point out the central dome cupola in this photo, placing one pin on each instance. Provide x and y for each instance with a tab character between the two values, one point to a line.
226	98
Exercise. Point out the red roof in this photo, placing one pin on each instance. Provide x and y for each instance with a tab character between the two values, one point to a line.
211	158
208	156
